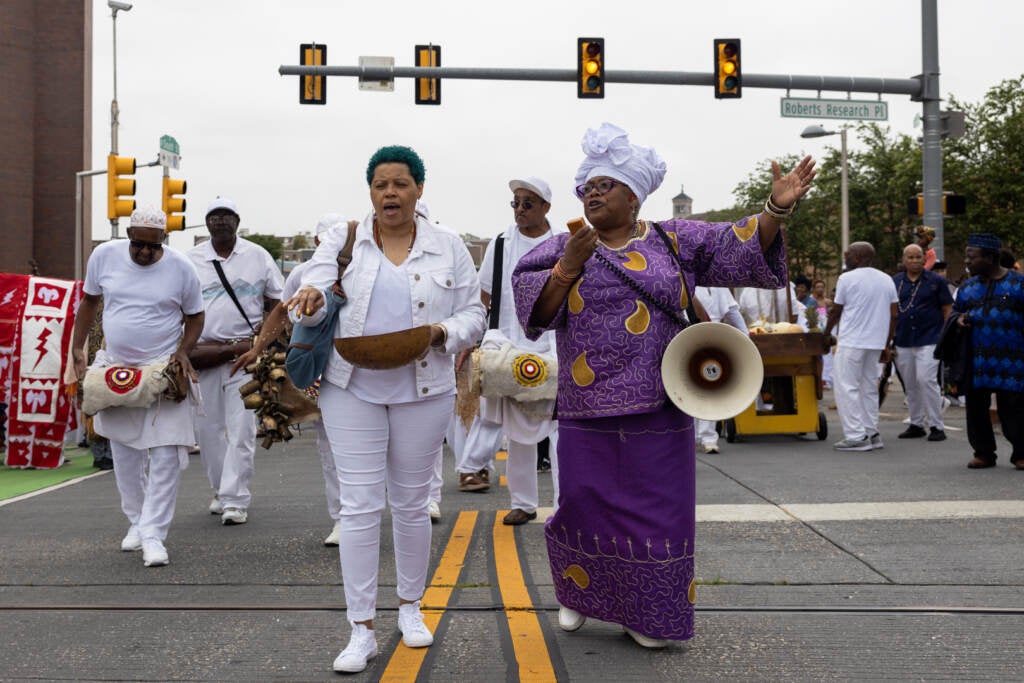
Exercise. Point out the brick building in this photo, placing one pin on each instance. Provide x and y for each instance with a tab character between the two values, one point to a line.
45	132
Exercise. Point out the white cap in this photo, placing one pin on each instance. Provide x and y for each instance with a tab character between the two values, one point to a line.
148	217
222	203
328	221
533	184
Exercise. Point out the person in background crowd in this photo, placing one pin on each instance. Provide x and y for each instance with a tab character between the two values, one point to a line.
924	303
802	288
523	426
991	304
240	281
818	290
923	237
866	302
146	292
386	426
621	543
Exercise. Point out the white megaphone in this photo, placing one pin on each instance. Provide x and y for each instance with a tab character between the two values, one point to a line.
712	371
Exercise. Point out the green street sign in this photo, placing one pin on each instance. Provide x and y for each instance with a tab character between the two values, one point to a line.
169	144
817	108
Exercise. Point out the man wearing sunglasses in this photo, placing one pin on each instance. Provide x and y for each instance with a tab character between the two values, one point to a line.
146	291
531	201
240	282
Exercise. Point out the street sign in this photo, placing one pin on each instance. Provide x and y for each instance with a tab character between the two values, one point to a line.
385	85
169	155
817	108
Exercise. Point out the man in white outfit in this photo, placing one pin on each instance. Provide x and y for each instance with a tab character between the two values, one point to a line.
720	306
227	432
524	429
146	291
865	302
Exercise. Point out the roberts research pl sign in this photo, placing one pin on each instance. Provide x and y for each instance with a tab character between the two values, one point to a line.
816	108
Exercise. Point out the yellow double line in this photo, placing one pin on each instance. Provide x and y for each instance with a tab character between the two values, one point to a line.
531	651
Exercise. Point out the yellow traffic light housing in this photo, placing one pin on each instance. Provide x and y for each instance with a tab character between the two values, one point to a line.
172	204
428	90
590	68
120	189
312	89
728	77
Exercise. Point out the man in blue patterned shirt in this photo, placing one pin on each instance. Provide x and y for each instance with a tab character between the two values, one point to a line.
992	304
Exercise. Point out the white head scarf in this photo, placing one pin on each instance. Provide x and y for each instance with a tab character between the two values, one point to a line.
609	153
328	221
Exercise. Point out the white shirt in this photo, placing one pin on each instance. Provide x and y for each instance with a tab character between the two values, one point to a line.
516	246
443	288
142	305
252	274
721	306
866	295
770	305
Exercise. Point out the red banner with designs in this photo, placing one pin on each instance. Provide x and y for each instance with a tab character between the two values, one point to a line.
37	319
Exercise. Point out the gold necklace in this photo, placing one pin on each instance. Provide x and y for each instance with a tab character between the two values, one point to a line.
913	294
634	234
378	238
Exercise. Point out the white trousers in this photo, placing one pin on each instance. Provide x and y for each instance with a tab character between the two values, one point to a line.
331	486
705	432
520	466
920	373
147	498
383	454
226	436
482	442
856	390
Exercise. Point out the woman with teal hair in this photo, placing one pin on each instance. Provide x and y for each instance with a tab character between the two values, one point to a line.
385	427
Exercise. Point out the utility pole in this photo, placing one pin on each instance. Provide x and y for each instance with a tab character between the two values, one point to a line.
931	117
115	7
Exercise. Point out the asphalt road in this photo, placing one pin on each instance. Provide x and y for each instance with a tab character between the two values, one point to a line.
812	564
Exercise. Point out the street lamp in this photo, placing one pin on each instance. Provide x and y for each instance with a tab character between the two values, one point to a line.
844	190
115	7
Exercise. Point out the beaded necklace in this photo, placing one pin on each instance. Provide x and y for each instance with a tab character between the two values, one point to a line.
380	242
636	233
913	294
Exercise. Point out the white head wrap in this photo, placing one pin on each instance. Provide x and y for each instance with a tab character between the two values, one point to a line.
328	221
148	217
609	153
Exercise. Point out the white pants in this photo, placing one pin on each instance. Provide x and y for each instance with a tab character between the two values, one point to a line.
482	442
705	432
920	373
520	467
331	486
226	435
147	498
383	453
856	390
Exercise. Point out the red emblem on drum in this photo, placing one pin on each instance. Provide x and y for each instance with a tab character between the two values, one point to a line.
123	380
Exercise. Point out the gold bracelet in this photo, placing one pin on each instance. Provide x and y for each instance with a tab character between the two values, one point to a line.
777	212
444	337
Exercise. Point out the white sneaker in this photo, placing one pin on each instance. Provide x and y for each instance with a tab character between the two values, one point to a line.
332	538
410	622
645	641
361	648
215	507
153	553
876	441
435	512
862	444
234	516
570	619
131	541
709	447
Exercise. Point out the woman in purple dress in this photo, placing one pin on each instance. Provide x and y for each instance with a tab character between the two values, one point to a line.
622	540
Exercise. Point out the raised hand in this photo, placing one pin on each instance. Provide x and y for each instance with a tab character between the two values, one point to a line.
788	189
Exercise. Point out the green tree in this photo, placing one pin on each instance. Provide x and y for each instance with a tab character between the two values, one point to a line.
301	241
272	243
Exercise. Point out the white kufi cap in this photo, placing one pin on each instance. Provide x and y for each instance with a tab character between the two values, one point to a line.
148	217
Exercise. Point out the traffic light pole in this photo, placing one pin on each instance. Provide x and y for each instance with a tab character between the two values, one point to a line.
931	149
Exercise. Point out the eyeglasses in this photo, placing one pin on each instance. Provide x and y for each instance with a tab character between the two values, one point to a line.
221	220
152	246
526	204
602	186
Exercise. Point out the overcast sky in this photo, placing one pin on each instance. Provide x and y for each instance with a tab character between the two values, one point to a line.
207	74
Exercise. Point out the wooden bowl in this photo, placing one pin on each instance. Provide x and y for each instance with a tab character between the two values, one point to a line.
384	351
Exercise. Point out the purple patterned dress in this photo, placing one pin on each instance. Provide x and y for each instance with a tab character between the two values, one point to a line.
621	543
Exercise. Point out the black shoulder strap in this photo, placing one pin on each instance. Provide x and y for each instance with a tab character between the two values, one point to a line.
691	312
231	292
499	258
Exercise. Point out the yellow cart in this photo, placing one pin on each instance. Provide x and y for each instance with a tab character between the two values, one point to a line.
789	399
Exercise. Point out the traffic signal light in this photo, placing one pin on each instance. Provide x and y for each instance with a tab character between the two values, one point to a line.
589	67
428	90
952	205
120	189
172	204
312	89
728	77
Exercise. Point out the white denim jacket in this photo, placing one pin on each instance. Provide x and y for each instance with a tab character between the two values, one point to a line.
442	282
